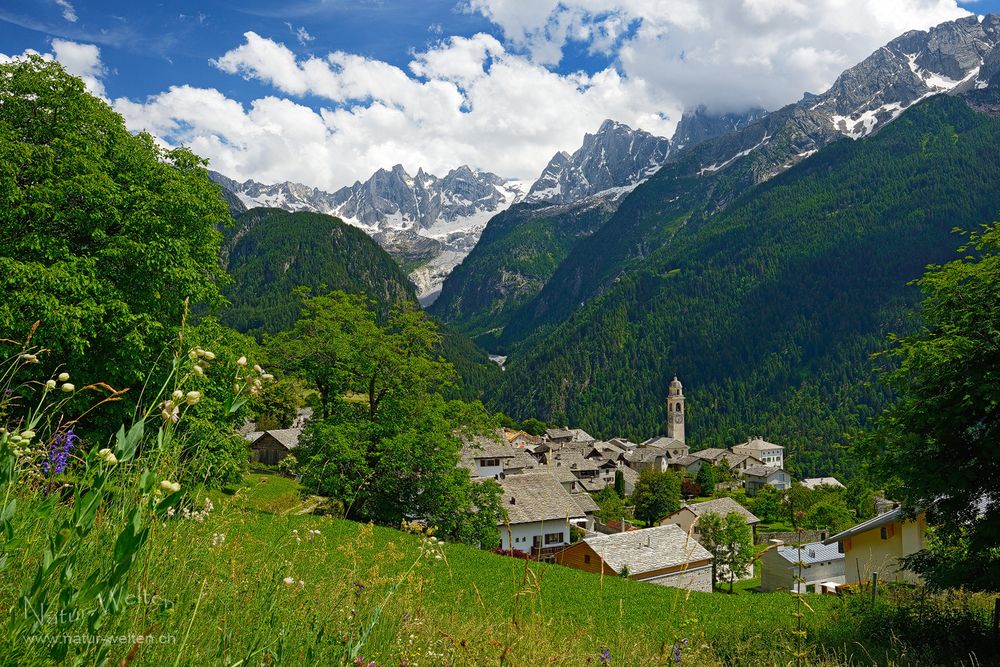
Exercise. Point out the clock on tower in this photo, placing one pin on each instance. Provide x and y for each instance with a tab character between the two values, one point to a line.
675	410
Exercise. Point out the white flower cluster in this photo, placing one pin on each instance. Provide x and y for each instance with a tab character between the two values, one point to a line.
290	581
431	547
218	539
198	515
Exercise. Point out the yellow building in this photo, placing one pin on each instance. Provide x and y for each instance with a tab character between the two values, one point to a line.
878	544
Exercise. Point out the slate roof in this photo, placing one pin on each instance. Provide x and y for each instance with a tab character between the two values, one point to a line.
645	454
482	447
572	460
816	482
664	442
759	444
624	443
587	504
722	507
684	460
761	471
648	549
712	454
814	552
289	437
537	496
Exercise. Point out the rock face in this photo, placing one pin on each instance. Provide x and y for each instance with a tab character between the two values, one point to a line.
617	156
425	220
698	125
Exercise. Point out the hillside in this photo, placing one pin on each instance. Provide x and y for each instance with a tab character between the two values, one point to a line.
770	310
270	252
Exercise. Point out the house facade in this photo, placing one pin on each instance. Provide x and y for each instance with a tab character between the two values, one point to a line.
821	564
757	477
540	512
663	555
879	544
766	452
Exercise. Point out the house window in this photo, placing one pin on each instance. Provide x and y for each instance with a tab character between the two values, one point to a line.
586	558
489	463
884	532
553	538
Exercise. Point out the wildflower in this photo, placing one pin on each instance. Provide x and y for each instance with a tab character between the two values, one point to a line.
58	455
64	377
177	395
68	387
242	361
289	581
193	354
170	487
29	358
192	397
170	412
50	385
198	370
107	456
267	376
257	368
302	584
218	539
236	388
360	586
171	511
209	356
27	435
605	656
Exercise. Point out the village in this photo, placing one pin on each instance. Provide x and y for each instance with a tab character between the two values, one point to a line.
549	482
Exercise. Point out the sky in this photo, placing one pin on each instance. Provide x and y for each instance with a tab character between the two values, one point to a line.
325	92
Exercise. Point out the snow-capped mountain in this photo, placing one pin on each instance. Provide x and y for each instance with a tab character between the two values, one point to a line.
615	157
424	218
699	124
950	58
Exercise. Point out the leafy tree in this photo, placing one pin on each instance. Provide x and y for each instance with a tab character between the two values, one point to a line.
620	483
831	514
730	540
939	441
690	489
611	504
768	504
860	498
480	525
105	234
533	426
656	495
706	478
278	404
211	455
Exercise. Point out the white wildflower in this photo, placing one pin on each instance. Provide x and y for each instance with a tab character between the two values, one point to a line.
68	387
242	361
192	397
257	368
50	385
218	539
193	354
198	370
267	376
27	435
209	356
289	581
177	395
171	511
170	487
29	358
63	377
107	456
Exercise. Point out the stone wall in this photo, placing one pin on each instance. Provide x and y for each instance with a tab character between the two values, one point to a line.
793	537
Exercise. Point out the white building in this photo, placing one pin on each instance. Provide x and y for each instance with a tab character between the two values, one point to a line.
821	564
768	453
539	513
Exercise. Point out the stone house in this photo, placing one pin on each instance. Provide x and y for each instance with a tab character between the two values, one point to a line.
539	512
766	452
662	555
756	477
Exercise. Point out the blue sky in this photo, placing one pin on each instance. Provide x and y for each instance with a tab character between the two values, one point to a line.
325	91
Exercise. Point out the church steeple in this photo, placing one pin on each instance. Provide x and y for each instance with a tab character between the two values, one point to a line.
675	410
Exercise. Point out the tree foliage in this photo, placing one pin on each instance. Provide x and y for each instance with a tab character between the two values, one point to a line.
940	440
656	495
730	540
105	234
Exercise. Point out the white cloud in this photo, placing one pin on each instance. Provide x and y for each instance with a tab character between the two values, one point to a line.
301	34
82	60
464	100
724	53
68	11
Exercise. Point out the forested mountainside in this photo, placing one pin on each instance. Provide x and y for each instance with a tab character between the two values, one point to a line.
771	309
953	57
517	253
270	252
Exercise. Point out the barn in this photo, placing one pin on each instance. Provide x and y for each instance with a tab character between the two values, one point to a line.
269	447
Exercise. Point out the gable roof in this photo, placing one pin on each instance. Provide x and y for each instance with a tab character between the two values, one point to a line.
664	442
762	471
287	437
711	454
645	454
863	527
814	552
537	496
481	447
587	504
722	507
647	549
758	444
684	460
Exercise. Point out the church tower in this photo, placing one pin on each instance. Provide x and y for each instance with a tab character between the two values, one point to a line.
675	410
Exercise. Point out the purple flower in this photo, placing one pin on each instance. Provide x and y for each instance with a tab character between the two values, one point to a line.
360	586
58	456
678	651
605	656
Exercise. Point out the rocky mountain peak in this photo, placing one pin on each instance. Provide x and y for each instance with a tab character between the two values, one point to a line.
613	157
700	124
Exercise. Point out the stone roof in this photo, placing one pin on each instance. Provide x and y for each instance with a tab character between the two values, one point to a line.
572	460
289	437
624	443
587	504
648	549
722	507
761	471
645	454
816	482
684	460
664	442
521	461
537	496
481	447
814	552
712	454
560	473
759	444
